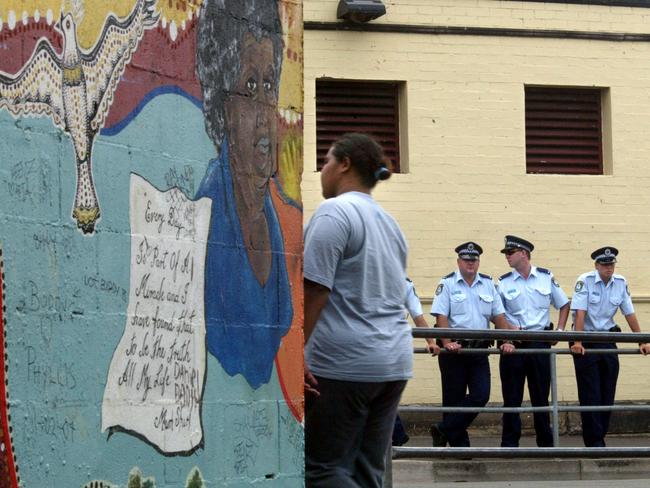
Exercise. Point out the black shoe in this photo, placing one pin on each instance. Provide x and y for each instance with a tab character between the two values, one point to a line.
438	438
402	441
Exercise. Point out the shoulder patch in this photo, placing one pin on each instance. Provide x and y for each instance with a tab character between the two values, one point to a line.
449	275
555	283
487	277
543	270
415	292
439	289
579	286
627	290
504	276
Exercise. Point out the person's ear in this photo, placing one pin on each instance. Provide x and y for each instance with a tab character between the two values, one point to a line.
345	164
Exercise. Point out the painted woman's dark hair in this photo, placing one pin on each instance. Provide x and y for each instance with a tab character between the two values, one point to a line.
366	156
223	25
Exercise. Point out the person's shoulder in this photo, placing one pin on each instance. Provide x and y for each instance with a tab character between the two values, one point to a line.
585	279
450	275
545	271
505	276
619	278
589	275
336	206
485	276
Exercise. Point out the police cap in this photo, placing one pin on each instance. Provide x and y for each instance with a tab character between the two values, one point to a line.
605	255
514	242
469	251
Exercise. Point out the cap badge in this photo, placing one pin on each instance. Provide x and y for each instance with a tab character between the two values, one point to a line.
608	251
470	247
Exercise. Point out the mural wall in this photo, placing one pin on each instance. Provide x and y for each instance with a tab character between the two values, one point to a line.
150	243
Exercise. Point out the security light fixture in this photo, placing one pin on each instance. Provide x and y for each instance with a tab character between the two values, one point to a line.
360	10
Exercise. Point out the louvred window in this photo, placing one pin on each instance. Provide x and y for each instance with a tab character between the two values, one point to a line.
563	131
357	106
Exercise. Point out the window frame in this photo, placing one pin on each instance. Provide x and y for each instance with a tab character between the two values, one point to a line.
392	144
573	135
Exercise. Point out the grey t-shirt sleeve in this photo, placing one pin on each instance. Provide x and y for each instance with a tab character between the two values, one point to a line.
326	238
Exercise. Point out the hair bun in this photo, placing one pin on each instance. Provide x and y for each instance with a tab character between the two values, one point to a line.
382	173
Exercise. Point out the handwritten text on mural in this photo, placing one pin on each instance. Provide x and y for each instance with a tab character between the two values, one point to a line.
155	381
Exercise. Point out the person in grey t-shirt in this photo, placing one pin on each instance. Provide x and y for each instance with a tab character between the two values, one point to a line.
358	345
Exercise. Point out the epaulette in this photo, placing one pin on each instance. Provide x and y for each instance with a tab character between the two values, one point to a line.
409	279
449	275
544	270
504	276
618	277
487	277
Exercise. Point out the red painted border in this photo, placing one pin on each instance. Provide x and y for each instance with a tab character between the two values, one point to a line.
11	481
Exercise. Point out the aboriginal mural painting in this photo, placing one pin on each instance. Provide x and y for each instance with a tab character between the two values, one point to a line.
151	224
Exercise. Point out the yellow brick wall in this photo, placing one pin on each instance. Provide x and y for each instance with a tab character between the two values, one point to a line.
466	174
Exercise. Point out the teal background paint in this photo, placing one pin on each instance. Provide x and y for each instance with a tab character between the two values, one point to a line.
66	299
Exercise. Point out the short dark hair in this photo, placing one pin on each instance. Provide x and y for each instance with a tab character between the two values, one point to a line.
366	156
223	25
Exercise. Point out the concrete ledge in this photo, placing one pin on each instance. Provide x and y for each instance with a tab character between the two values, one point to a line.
440	470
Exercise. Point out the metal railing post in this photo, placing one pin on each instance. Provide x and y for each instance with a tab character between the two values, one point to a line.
552	357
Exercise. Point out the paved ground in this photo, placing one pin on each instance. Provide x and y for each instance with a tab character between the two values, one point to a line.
535	484
528	473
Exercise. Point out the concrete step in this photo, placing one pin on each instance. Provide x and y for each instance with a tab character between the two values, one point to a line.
440	470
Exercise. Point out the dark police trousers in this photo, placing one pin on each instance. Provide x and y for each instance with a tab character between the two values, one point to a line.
596	375
515	369
465	383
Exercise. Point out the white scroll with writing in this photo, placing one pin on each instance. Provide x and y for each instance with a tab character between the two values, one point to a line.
155	381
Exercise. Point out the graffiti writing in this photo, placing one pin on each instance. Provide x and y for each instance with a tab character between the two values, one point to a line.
182	178
105	285
52	424
44	372
45	240
251	429
29	181
64	301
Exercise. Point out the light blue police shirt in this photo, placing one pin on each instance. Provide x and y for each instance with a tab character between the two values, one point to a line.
601	300
412	302
528	301
467	307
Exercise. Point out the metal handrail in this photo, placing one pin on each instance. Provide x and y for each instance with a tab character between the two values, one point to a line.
560	408
521	452
424	350
553	408
528	335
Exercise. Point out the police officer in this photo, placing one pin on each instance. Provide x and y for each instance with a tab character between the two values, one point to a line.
528	292
414	308
597	296
465	299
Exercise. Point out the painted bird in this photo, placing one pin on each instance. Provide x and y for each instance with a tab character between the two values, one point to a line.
75	89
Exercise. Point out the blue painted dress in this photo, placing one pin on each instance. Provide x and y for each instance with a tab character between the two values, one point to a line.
245	321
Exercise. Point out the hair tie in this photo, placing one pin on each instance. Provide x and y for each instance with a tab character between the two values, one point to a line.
382	173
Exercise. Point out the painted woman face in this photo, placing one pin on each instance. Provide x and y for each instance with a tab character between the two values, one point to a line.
251	119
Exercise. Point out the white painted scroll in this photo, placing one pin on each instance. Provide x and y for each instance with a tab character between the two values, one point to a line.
155	381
